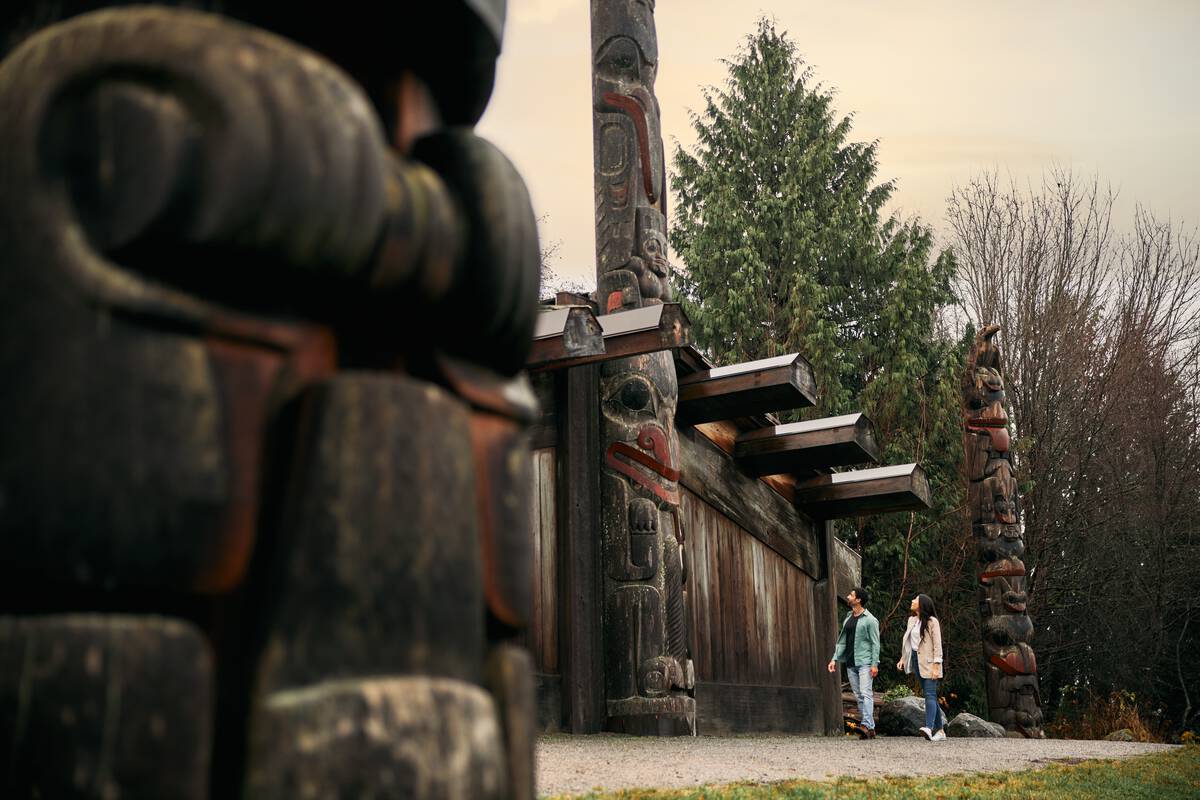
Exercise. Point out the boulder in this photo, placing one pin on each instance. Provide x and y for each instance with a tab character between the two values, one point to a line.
1123	735
901	717
969	725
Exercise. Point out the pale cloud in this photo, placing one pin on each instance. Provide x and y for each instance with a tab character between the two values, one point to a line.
537	12
949	89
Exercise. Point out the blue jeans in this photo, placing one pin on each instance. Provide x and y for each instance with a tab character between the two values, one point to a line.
934	718
862	685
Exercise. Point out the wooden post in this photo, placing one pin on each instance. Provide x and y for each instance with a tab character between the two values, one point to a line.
579	637
827	631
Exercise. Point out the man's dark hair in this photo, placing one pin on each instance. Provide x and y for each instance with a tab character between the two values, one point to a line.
861	594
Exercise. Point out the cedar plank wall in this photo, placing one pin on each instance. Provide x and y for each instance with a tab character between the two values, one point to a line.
754	622
542	638
754	637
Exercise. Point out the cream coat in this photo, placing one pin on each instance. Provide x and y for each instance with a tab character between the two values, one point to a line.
929	651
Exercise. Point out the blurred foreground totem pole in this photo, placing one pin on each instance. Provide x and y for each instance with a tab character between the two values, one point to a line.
649	680
993	503
264	303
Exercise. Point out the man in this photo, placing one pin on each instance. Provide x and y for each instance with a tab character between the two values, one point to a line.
858	647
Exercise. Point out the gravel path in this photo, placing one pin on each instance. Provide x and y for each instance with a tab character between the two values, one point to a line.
576	764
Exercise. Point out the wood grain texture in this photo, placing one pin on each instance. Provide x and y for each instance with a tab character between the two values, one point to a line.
826	628
748	502
870	491
578	508
752	610
421	737
741	390
724	435
97	705
543	632
377	578
727	708
548	690
806	447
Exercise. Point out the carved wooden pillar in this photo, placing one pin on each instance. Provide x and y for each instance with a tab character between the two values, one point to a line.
263	470
649	678
993	505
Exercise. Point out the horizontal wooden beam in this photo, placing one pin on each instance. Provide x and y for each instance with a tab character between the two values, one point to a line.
751	504
689	360
865	491
624	334
564	335
724	435
804	447
633	333
725	708
743	390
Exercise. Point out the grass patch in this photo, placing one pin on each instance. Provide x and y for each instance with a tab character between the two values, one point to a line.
1161	776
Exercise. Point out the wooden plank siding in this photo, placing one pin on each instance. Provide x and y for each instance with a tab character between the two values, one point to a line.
754	630
709	473
543	630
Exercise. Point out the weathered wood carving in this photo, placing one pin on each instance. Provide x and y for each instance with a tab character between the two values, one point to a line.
993	504
631	230
649	677
263	474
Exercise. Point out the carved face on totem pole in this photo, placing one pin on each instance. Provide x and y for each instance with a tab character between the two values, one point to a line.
631	232
997	543
1012	685
642	552
998	496
647	669
993	501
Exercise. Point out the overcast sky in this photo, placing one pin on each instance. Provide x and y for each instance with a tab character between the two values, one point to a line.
949	89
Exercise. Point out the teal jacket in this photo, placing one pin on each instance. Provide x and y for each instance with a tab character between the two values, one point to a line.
866	641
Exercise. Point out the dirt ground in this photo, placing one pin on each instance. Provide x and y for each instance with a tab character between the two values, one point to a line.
576	764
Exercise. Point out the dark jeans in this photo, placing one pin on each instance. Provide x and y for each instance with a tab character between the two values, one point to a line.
934	719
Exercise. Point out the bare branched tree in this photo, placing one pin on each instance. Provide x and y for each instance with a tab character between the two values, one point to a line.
1102	338
551	281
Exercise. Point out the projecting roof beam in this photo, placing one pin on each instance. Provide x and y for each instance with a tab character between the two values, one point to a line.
626	333
563	335
743	390
865	491
805	447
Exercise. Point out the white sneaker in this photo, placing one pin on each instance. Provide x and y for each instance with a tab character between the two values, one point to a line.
940	736
928	734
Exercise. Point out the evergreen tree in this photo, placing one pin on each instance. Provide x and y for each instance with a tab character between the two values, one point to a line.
779	221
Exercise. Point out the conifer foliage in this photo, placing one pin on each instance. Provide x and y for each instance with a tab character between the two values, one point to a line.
786	247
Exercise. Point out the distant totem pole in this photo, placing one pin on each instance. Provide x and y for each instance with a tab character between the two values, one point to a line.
649	680
993	503
264	306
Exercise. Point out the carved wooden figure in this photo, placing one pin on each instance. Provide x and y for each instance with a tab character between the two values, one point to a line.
263	484
993	502
649	678
630	174
649	674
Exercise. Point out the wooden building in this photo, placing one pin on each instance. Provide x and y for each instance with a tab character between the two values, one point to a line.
763	571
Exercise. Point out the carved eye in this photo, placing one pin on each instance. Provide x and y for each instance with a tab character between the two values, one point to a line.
635	395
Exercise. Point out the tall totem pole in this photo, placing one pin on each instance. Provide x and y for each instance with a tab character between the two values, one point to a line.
993	503
649	680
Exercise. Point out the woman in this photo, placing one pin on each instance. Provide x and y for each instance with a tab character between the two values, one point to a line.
921	654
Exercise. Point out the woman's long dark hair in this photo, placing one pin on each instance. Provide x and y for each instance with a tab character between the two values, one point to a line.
925	611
